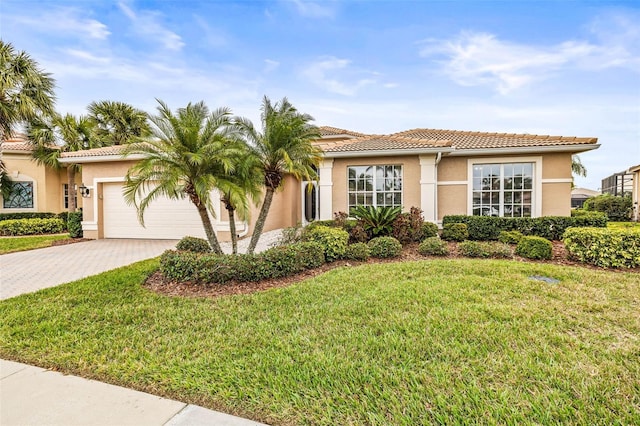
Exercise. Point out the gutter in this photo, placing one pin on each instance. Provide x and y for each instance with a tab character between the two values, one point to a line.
389	152
100	159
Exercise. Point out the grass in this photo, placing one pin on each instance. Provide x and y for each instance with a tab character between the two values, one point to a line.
623	225
13	244
443	341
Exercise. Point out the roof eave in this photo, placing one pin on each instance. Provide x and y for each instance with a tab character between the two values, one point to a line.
100	158
388	152
525	150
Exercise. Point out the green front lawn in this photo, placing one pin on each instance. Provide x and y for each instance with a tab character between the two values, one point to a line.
623	225
30	242
442	341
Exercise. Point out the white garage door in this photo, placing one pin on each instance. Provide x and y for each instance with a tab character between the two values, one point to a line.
163	219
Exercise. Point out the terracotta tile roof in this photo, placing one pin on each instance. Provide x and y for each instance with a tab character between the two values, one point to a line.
328	131
96	152
381	143
17	142
484	140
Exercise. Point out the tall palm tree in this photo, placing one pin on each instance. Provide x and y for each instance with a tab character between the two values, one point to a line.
118	123
247	179
187	156
26	92
61	134
283	146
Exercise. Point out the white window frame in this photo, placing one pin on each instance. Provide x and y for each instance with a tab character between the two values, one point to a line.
536	196
375	192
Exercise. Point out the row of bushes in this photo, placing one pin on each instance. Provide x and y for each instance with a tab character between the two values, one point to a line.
530	247
608	248
485	228
46	225
32	215
16	227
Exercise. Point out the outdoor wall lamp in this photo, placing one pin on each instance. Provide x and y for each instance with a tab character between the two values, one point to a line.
84	191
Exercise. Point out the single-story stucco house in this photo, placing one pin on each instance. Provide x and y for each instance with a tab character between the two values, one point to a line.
443	172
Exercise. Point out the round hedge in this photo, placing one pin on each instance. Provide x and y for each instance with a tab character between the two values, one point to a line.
532	247
384	247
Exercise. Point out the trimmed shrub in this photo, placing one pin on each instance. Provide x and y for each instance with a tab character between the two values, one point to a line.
193	244
357	233
455	232
384	247
485	249
608	248
74	224
15	227
617	208
209	268
179	265
407	227
429	229
357	251
532	247
30	215
333	240
483	228
510	237
433	246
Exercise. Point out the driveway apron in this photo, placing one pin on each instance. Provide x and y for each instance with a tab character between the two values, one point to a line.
29	271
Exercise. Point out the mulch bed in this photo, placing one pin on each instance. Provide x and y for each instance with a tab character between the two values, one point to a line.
158	284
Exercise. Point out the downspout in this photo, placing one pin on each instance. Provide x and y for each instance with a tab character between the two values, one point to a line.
435	189
246	230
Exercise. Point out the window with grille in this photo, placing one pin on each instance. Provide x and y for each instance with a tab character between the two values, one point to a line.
21	196
503	189
374	185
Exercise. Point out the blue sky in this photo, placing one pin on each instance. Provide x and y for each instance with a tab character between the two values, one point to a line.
546	67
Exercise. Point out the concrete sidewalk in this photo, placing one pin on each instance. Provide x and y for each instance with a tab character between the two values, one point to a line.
35	396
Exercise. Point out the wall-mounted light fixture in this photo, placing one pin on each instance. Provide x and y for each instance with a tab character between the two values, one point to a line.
84	191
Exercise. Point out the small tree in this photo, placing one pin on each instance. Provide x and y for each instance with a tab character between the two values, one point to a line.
188	156
283	146
61	134
118	123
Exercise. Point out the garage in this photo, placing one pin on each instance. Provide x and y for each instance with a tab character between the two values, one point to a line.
163	219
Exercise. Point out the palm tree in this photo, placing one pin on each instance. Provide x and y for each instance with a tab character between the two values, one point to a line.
247	179
61	134
26	92
118	123
187	156
283	146
577	168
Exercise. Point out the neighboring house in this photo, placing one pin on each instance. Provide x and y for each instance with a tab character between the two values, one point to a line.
618	184
580	195
635	192
35	188
442	172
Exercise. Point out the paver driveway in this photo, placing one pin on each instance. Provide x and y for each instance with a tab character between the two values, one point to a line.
29	271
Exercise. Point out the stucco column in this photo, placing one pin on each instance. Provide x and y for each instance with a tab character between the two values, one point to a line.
428	182
325	187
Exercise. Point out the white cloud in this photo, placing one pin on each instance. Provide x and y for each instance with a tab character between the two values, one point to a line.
478	58
270	65
65	21
82	54
331	74
314	9
147	24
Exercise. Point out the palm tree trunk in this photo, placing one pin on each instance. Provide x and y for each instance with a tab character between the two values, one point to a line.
232	229
208	229
262	218
71	190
